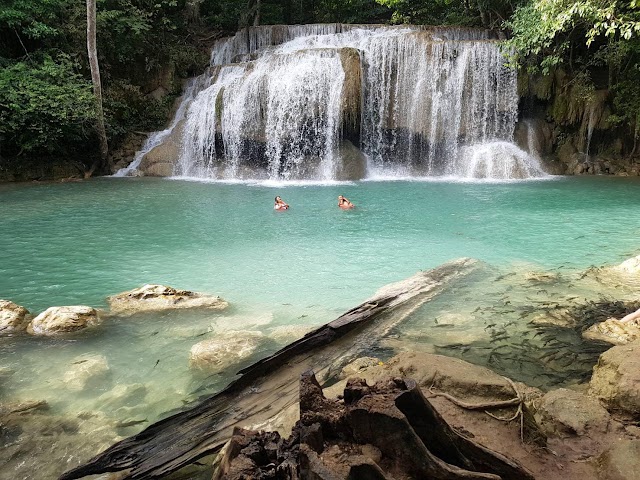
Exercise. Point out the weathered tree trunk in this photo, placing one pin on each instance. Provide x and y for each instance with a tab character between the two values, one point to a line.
192	11
103	162
393	416
269	386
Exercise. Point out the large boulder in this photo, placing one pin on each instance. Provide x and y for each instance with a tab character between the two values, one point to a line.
56	320
13	317
620	462
631	266
225	350
85	372
616	380
160	297
564	413
464	380
614	331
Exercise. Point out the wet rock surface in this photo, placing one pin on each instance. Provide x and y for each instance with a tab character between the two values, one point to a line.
85	371
58	320
614	331
152	297
224	350
13	317
383	431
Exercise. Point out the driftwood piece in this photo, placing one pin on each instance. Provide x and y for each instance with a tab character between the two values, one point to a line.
388	430
270	385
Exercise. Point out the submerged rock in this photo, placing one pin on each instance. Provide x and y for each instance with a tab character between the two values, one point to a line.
122	395
13	317
541	277
616	380
160	297
55	320
223	351
564	413
85	371
558	317
289	333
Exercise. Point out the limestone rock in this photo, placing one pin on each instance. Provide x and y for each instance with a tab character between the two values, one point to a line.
224	350
353	162
614	331
630	266
13	317
620	462
55	320
122	395
159	161
456	377
354	368
86	371
564	413
541	277
289	333
160	297
558	317
616	379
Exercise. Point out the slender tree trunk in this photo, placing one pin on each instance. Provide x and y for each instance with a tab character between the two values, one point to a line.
97	87
256	18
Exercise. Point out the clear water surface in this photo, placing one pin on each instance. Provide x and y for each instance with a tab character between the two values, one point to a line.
76	243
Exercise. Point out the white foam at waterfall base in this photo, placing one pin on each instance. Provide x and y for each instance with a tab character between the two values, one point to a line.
496	160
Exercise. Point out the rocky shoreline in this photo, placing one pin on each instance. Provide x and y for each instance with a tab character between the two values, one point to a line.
582	430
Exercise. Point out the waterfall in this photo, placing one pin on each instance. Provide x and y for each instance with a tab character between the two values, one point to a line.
345	102
156	138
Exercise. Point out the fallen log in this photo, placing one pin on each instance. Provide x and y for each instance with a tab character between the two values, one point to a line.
270	385
387	430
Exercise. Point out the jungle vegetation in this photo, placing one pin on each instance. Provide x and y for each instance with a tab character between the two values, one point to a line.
47	108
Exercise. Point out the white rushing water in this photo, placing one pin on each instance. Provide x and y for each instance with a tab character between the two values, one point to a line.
345	102
156	138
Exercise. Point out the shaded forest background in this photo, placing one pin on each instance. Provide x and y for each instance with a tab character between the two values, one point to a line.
146	48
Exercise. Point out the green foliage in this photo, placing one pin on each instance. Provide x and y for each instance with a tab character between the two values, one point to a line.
549	28
44	104
431	12
486	13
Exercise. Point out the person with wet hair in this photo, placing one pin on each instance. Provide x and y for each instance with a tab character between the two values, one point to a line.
280	204
344	203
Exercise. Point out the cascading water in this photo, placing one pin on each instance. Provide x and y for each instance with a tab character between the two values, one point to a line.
345	102
156	138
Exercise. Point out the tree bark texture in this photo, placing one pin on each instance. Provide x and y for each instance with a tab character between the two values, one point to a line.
97	85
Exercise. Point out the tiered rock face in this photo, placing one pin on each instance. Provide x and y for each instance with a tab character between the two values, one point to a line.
297	102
